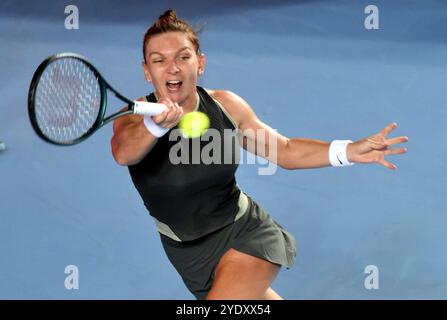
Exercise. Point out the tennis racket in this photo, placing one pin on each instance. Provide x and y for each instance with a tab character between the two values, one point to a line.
67	100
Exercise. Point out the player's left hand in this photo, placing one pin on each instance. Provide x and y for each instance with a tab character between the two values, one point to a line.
376	147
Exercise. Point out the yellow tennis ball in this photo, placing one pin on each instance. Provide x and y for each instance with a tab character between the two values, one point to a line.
194	124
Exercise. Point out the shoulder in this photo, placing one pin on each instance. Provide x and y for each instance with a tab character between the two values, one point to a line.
237	107
226	97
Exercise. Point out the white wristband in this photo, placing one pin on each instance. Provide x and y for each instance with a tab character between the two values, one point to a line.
337	153
154	128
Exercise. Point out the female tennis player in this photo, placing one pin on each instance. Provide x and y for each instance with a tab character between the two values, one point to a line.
222	243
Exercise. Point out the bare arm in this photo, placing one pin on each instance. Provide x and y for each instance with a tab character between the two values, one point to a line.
259	138
132	141
301	153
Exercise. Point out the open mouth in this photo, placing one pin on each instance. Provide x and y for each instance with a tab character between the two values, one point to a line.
174	85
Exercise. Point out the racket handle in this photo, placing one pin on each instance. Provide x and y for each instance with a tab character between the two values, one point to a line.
148	108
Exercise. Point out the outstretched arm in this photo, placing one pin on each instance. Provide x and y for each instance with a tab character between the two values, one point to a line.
302	153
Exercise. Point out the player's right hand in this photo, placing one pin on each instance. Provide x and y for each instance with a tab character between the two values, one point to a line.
171	117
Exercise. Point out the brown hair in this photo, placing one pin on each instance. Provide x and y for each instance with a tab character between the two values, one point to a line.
169	22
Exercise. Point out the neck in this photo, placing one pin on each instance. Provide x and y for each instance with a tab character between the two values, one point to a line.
192	104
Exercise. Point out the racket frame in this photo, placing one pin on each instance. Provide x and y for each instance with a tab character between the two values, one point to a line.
100	121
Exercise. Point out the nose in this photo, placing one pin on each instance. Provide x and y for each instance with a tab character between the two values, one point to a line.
173	68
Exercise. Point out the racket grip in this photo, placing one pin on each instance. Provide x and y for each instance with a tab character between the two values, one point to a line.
148	108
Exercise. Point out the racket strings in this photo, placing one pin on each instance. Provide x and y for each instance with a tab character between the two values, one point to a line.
67	100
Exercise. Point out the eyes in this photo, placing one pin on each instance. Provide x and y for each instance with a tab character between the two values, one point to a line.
181	58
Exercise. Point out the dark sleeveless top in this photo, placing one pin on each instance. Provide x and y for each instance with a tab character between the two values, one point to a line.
192	199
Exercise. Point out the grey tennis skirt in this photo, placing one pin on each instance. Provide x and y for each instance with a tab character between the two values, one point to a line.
255	233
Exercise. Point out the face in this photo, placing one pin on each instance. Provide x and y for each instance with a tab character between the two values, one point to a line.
173	66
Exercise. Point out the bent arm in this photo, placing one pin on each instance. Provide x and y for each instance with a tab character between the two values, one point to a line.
133	138
131	141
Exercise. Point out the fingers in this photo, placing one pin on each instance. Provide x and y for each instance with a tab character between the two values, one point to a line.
397	140
173	116
390	152
161	117
170	117
389	128
388	164
395	151
382	143
377	143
